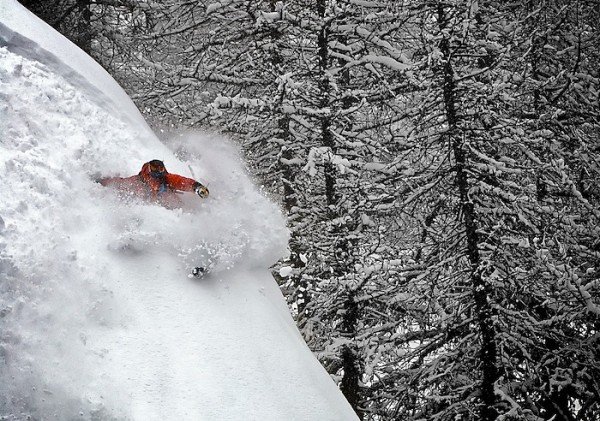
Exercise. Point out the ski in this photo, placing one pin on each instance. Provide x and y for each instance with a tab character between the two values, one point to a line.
198	272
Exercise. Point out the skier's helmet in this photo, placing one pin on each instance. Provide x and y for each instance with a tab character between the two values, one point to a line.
157	168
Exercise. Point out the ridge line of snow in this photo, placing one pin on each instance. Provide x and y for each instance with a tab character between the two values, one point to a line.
18	28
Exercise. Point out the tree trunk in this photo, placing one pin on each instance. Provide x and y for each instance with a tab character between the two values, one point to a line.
83	29
325	91
350	384
481	290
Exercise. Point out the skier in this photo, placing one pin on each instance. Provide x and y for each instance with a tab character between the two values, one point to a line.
155	184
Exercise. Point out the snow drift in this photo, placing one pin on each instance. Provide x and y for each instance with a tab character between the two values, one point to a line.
98	318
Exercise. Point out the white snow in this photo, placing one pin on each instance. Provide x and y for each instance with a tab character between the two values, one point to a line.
98	318
285	271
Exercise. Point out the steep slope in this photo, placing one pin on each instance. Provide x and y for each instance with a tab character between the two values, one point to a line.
98	319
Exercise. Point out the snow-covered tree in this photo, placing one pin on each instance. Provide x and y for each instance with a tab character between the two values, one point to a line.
486	306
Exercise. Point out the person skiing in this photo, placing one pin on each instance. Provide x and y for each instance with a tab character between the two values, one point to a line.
156	184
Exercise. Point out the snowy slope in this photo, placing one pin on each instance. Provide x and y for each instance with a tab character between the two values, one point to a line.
98	319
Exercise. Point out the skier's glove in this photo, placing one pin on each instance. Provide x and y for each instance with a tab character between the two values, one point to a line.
201	190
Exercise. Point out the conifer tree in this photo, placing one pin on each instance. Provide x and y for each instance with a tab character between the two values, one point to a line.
490	309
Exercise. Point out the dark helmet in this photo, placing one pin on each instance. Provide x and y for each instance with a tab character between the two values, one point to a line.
157	168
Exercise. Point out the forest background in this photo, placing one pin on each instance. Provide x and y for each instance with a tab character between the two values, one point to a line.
438	163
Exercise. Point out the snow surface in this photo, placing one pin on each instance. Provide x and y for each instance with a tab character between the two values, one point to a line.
98	318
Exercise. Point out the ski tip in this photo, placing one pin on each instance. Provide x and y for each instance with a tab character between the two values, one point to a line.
198	271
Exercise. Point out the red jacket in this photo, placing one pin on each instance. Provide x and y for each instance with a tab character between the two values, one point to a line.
143	185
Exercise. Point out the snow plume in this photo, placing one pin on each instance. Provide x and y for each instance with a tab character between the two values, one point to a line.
237	217
98	318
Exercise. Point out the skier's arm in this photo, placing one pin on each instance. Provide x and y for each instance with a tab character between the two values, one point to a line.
179	182
111	181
